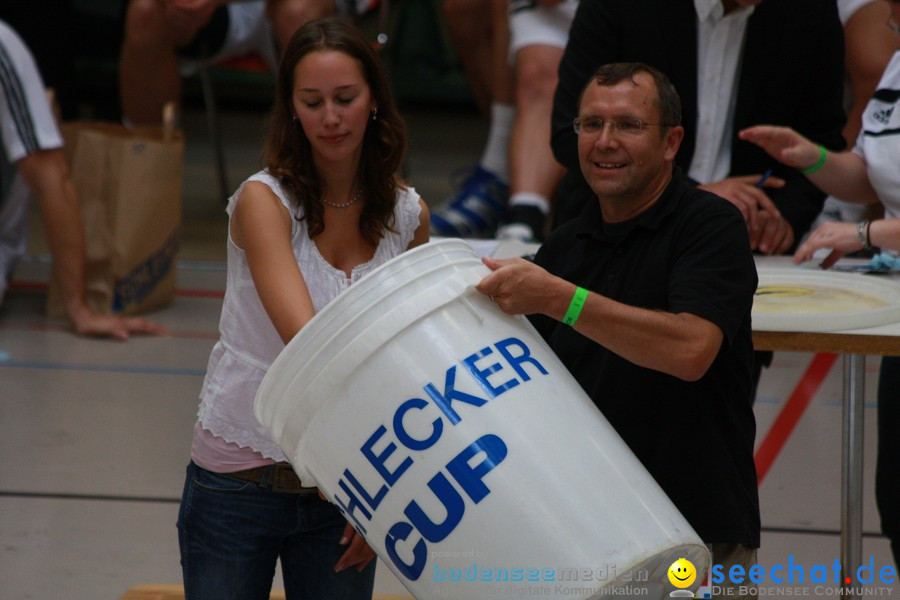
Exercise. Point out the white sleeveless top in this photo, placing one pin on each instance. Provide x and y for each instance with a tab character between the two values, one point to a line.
248	342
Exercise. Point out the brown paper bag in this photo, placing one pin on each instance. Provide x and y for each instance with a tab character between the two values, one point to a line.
128	182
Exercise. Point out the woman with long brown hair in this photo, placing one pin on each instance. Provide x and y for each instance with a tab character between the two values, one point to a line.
327	209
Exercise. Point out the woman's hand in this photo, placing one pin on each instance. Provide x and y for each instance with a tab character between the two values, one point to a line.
358	553
783	144
841	238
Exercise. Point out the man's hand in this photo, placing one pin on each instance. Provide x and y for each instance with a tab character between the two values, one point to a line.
745	193
520	287
774	234
770	233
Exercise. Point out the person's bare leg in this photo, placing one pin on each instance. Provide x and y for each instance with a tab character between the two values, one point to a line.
470	29
502	77
476	207
287	16
148	65
495	157
534	173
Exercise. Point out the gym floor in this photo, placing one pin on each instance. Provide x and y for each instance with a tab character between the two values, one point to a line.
95	434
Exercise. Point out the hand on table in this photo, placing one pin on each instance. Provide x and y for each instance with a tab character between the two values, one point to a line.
841	238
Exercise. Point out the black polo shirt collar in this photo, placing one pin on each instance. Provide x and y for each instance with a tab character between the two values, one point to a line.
590	224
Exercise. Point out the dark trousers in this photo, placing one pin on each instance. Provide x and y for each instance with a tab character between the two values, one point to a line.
887	471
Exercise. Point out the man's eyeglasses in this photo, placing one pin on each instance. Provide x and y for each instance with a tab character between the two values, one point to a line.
623	125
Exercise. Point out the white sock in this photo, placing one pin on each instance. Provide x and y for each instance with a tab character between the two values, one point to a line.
530	199
495	157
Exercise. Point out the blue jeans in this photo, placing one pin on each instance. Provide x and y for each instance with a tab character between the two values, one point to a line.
231	532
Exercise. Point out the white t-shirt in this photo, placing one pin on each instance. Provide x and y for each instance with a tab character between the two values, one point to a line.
847	8
879	139
27	123
834	209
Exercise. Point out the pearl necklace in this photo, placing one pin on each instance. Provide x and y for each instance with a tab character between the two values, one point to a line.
345	204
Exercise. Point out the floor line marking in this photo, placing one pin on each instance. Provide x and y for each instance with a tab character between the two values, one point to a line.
90	497
40	286
60	366
51	326
790	414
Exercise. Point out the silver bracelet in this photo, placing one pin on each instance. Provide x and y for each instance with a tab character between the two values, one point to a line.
862	234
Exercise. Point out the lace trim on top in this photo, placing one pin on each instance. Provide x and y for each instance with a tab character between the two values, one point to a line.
248	340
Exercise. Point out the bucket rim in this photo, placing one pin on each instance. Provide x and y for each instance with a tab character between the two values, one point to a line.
273	390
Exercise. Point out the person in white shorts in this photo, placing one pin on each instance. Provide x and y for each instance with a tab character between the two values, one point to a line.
538	32
33	164
166	40
479	32
513	182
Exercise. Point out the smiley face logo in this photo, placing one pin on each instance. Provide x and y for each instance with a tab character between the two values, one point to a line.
682	573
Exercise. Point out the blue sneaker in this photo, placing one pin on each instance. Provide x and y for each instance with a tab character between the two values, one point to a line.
475	210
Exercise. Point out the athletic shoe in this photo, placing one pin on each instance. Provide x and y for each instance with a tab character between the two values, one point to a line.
476	208
522	222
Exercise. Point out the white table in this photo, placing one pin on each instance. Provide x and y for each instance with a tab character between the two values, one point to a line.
854	345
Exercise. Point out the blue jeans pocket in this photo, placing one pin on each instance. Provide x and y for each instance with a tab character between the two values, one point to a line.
218	482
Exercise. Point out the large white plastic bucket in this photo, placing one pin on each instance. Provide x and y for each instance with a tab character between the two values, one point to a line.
454	439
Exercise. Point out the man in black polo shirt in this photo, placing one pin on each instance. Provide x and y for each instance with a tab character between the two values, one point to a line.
646	298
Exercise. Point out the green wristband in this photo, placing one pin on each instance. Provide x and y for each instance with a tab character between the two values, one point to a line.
575	306
822	154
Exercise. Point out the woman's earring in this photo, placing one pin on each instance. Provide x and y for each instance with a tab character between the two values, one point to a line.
374	114
295	120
